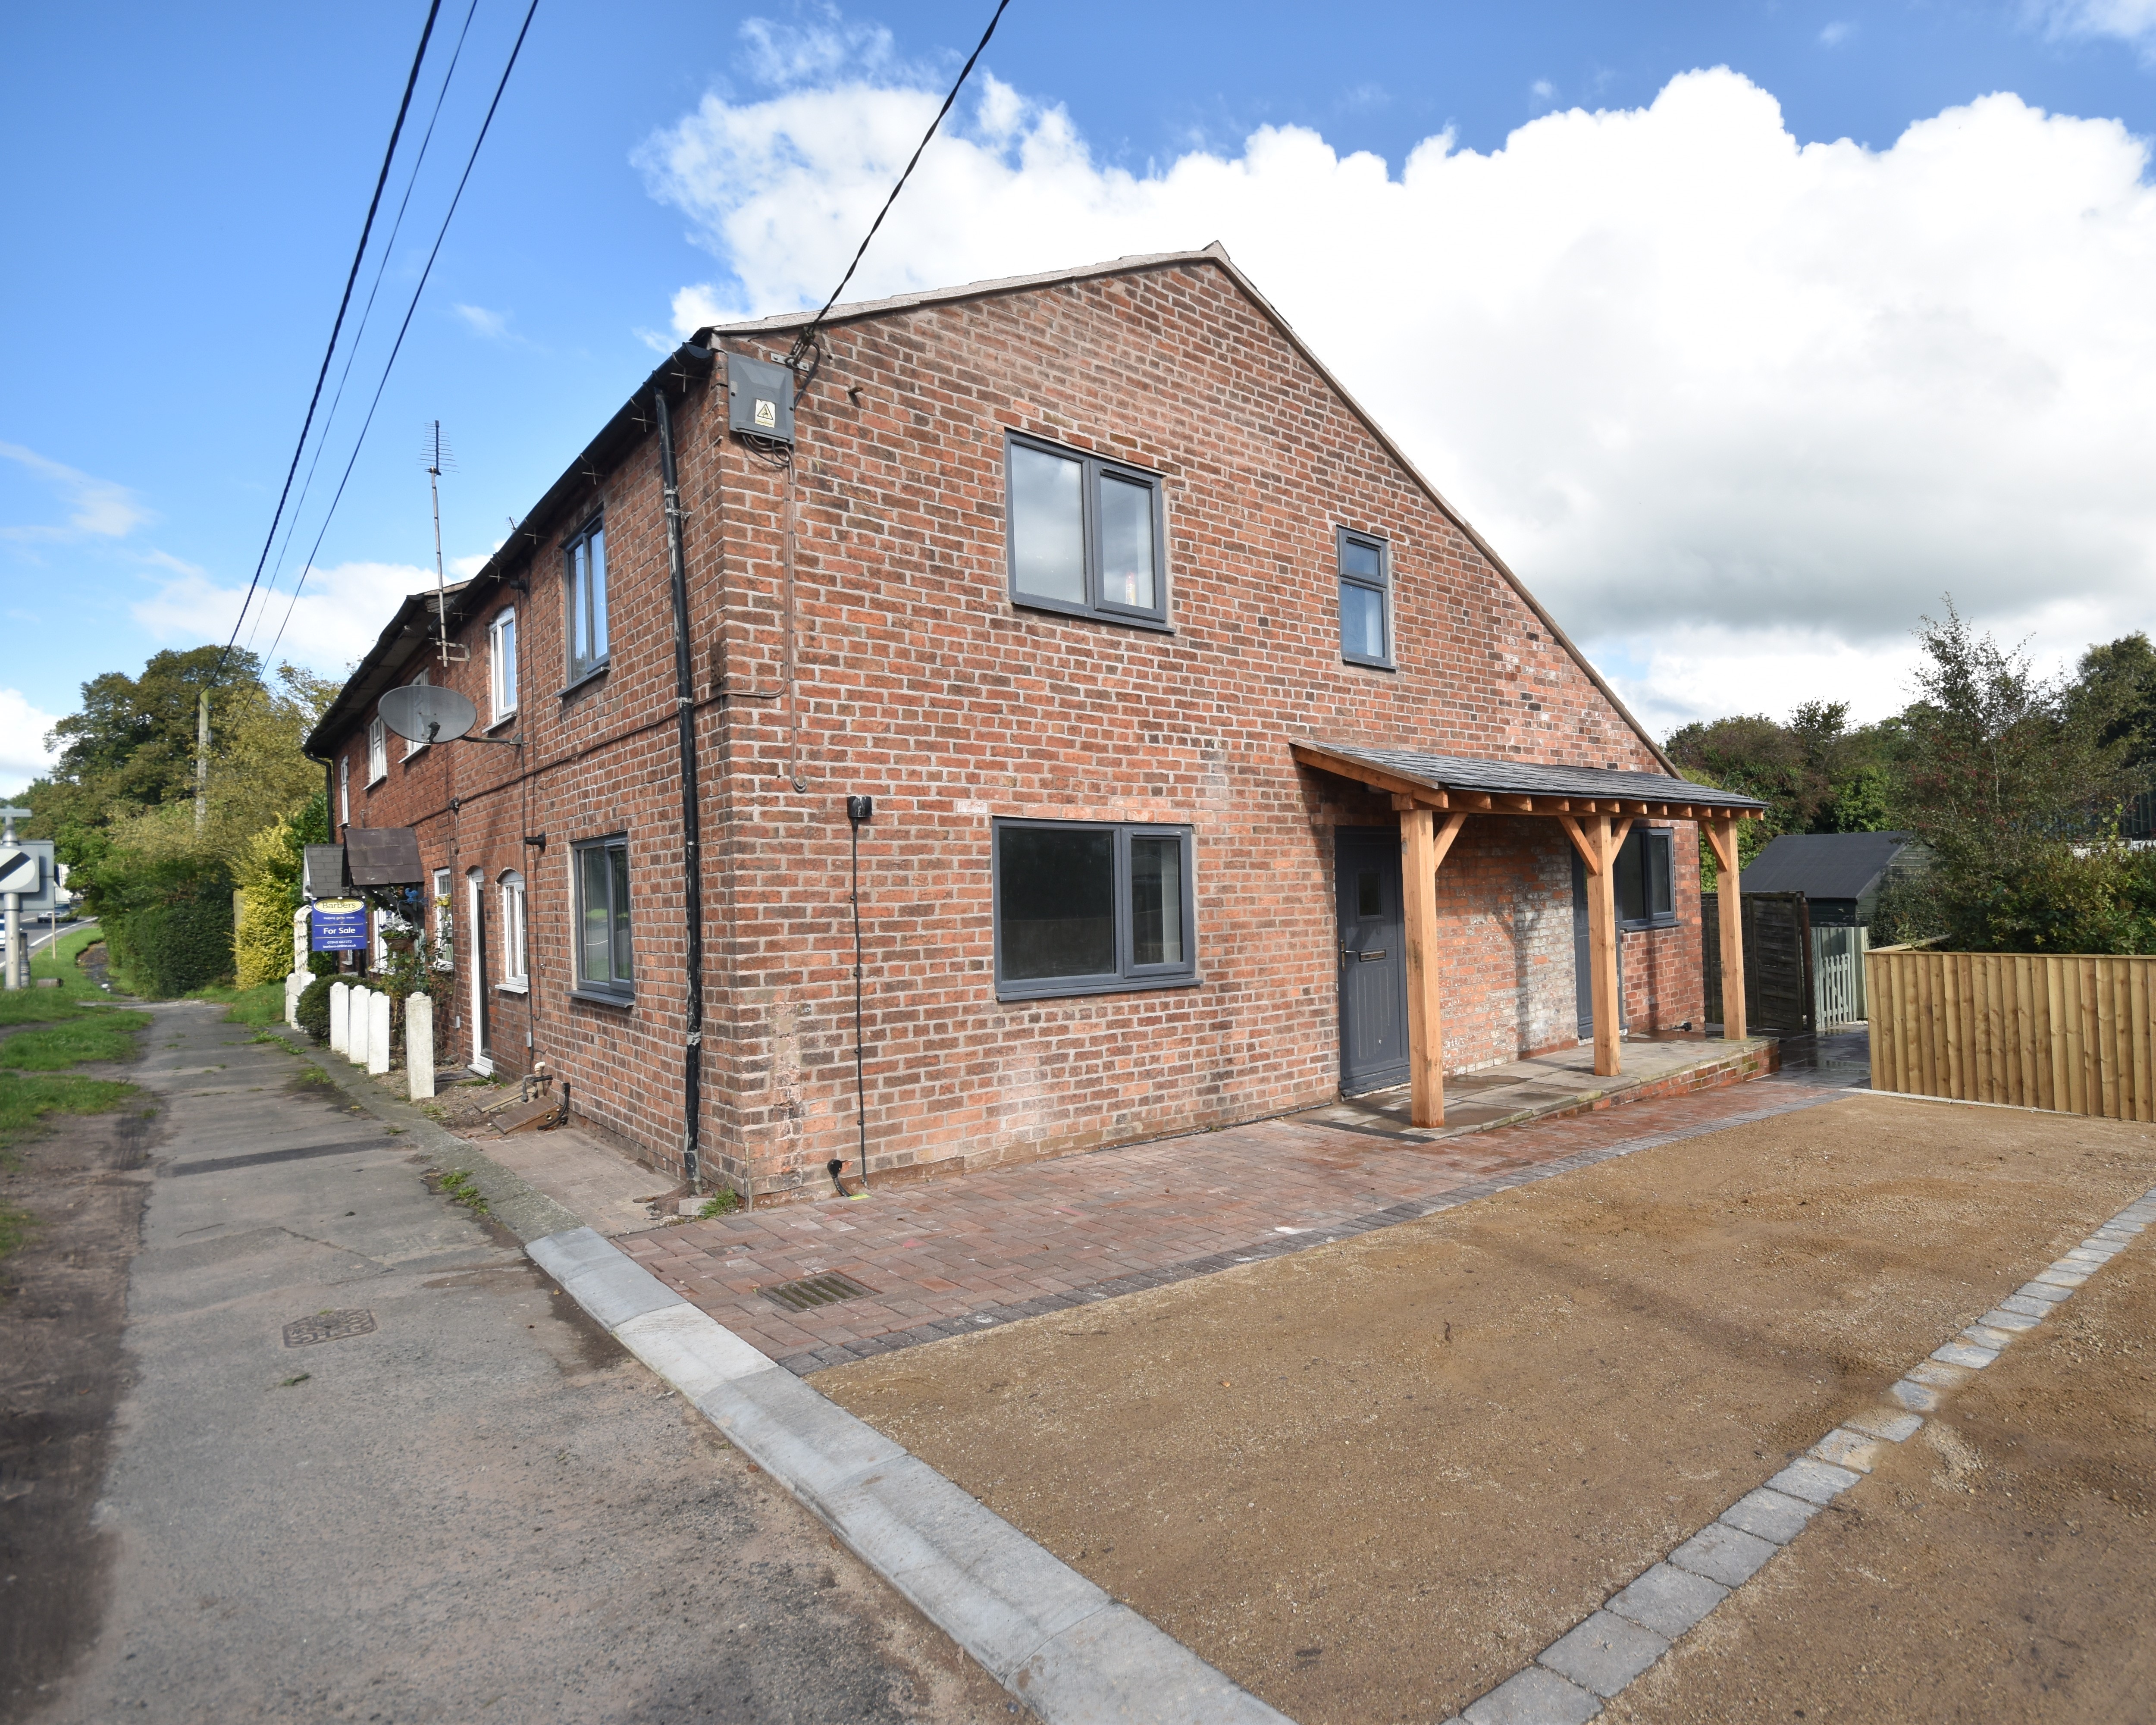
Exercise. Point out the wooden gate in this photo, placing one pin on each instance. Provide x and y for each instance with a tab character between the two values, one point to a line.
2069	1034
1838	975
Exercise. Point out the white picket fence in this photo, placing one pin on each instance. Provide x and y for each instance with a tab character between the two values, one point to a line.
1838	975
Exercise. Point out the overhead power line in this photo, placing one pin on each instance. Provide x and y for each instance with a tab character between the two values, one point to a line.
387	250
804	343
366	227
397	347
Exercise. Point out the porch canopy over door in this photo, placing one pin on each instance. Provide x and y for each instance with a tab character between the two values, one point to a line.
1435	795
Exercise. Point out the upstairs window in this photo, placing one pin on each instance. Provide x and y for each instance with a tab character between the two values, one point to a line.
1085	907
377	751
413	746
1366	594
587	594
1646	888
1086	535
603	965
501	667
344	790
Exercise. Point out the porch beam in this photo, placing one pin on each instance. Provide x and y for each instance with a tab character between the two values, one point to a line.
1375	778
1729	905
1602	941
1448	829
1419	859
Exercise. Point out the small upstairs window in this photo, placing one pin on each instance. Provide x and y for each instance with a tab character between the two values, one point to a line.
1645	890
377	751
1366	593
1086	535
501	667
344	790
586	582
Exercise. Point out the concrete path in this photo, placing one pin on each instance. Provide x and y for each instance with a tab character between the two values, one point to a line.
946	1257
376	1466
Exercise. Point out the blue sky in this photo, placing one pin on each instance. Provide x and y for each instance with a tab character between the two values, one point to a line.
186	188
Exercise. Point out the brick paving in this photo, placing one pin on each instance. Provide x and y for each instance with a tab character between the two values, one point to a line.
957	1254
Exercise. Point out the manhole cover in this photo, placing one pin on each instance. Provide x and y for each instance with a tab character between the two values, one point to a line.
327	1327
815	1291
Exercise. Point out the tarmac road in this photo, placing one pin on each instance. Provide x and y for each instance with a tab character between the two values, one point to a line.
469	1505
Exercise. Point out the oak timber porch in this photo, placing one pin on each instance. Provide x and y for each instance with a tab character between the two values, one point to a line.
1434	795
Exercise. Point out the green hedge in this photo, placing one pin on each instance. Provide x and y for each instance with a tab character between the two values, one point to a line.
173	930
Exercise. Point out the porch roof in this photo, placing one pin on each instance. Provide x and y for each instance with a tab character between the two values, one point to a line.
1465	784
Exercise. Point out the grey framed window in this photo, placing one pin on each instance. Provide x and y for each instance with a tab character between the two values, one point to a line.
1092	907
1366	598
604	967
1086	536
584	582
1645	886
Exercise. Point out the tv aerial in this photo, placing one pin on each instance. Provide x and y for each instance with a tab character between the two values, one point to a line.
436	456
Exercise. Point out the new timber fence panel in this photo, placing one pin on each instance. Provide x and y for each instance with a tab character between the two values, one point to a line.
2069	1034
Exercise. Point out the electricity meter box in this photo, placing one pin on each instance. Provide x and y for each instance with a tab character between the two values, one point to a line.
759	398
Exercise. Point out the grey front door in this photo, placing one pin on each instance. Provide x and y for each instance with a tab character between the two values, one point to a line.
1374	994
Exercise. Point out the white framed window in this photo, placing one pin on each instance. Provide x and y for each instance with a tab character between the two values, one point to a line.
445	923
411	745
516	959
586	592
501	666
377	750
344	790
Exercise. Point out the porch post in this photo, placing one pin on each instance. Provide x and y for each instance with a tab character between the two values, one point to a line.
1729	905
1601	947
1425	1008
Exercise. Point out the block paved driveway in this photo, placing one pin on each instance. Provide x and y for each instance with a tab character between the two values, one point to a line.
949	1256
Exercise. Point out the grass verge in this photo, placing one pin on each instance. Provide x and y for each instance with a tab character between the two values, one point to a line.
259	1006
86	1034
25	1100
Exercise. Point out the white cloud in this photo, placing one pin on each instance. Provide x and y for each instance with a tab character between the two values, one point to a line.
1680	369
2128	20
493	325
339	613
98	508
23	755
1835	34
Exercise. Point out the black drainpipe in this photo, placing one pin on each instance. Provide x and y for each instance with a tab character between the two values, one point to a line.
684	704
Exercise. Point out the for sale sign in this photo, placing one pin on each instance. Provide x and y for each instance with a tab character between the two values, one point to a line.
339	926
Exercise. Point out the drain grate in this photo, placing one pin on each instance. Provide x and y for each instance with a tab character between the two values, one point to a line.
327	1327
813	1291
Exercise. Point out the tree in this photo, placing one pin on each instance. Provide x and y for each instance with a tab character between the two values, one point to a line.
2015	781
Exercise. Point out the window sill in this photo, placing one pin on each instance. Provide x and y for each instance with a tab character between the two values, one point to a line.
520	987
507	718
1020	992
592	676
592	997
1646	927
1383	664
1122	620
379	778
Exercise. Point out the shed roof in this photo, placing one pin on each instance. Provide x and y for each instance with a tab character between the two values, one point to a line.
1824	865
1452	777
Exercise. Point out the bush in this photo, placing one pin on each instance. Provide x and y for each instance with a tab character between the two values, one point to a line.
313	1011
171	930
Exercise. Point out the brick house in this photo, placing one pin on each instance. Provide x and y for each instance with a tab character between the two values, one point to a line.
1155	655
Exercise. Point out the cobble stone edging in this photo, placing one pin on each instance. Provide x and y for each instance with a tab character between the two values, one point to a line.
1051	1637
1594	1660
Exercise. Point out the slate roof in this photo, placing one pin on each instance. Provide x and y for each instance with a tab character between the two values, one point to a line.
1824	865
1462	772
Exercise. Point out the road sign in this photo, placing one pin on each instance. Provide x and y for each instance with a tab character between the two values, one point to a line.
22	869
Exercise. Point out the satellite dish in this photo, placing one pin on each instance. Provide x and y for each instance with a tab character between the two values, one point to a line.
419	712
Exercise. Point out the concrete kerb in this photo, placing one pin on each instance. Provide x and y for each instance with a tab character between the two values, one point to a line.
1056	1641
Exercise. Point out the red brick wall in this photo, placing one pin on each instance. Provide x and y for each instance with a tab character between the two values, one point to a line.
920	683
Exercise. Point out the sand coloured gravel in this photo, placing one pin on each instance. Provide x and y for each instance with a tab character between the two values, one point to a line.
1997	1568
1370	1481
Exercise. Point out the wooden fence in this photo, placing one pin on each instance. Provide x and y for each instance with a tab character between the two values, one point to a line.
2068	1034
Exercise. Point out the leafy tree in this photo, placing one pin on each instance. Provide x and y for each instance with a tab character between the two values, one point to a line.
2015	781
